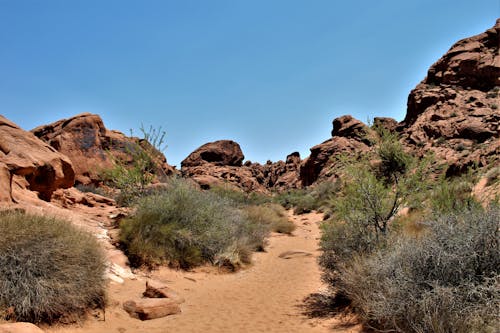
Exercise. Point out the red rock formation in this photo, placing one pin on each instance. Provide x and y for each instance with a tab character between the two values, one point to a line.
33	163
455	110
90	146
222	152
349	137
219	162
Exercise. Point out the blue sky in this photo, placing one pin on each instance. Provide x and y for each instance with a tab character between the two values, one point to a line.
269	74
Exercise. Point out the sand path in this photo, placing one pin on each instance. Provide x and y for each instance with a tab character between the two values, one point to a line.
263	298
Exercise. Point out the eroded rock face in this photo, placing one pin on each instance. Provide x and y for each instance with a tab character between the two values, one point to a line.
90	146
221	153
24	155
455	110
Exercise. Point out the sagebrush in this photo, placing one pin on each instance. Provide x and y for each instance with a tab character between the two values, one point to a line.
184	226
49	269
445	281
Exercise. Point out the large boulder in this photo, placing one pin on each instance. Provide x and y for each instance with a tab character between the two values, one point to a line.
90	146
24	155
221	153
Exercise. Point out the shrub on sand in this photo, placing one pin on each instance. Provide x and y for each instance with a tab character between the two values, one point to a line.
184	226
49	269
272	216
445	281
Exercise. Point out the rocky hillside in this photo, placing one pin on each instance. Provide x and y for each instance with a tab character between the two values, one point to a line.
455	110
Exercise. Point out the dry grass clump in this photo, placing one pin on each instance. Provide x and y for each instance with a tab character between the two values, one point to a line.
446	281
184	227
49	269
272	216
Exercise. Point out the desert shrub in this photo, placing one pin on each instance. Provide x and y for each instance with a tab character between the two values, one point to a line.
452	195
272	216
394	161
91	188
238	196
132	176
492	175
309	199
48	269
447	281
184	226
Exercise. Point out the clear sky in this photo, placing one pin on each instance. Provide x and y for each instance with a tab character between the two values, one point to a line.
269	74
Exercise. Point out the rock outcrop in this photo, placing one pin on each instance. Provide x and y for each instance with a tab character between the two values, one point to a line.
30	163
222	153
90	146
455	110
350	136
220	162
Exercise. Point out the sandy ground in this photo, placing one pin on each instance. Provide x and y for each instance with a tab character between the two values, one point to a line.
266	297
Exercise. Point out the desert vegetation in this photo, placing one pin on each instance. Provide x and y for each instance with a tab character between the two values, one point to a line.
132	176
184	226
49	269
434	269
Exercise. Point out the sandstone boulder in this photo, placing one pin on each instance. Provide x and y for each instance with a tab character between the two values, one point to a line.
91	147
350	137
24	155
155	289
349	127
221	153
151	308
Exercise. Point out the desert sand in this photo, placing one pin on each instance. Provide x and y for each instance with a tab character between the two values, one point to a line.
265	297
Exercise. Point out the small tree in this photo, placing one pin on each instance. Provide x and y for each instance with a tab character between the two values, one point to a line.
132	177
375	188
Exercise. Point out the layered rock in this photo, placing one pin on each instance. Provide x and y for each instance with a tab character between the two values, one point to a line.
455	110
90	146
30	163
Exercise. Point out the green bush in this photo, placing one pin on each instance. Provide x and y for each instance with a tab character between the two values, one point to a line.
452	195
184	226
446	281
238	196
132	177
48	269
306	200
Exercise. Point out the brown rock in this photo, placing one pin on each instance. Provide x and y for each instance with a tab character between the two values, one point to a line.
389	124
151	308
454	111
221	153
155	289
349	127
320	164
25	155
90	146
19	328
220	163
